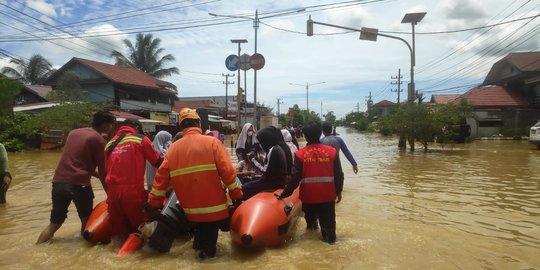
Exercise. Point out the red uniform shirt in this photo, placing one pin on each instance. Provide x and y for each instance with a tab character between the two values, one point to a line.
126	164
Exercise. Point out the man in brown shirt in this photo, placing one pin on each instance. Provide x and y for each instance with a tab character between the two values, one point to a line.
82	153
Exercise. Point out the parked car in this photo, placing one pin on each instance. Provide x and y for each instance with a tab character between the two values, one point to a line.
534	136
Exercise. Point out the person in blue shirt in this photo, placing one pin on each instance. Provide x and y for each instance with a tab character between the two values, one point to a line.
338	144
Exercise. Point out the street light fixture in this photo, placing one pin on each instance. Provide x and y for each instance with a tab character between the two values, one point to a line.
256	21
372	33
307	91
413	19
239	92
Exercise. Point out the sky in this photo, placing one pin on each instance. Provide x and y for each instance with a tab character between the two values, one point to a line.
341	70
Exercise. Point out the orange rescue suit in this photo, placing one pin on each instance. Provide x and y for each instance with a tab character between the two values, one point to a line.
196	166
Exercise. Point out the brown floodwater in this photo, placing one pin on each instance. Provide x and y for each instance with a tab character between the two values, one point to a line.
472	206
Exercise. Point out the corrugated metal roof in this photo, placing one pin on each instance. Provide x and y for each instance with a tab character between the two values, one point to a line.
525	61
494	96
41	90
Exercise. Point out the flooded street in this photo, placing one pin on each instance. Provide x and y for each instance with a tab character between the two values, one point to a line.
472	206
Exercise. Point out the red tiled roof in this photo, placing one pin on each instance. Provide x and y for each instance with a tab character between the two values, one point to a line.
125	75
443	99
40	90
493	96
384	103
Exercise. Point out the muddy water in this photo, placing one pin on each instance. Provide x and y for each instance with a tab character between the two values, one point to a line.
474	206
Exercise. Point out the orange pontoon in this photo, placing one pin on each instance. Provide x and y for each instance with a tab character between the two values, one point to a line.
265	221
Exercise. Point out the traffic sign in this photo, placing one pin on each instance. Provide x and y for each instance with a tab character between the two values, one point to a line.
257	61
231	62
245	62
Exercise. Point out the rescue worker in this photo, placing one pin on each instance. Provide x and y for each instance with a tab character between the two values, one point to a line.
318	172
197	166
125	161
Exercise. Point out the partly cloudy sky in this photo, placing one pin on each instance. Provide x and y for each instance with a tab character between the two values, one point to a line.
447	61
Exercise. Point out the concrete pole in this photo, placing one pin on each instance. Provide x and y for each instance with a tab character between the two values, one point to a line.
238	98
256	26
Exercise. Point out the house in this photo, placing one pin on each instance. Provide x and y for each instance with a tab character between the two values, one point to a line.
519	71
383	107
443	99
130	89
32	94
499	110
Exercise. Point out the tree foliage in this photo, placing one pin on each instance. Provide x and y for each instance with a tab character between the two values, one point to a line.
300	117
145	56
9	88
424	122
330	117
64	117
68	89
33	71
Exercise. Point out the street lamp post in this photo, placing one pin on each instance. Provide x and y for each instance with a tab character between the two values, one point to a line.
307	91
256	21
413	19
239	92
372	33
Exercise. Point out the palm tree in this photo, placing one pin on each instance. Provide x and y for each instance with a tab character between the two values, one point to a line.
145	56
34	71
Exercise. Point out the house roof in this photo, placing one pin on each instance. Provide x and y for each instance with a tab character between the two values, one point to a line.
443	99
121	116
493	96
40	90
34	106
195	104
525	61
384	103
519	66
124	75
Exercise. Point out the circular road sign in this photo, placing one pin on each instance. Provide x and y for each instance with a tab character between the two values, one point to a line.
231	62
257	61
245	62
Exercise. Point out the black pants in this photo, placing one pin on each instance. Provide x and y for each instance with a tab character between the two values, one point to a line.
206	235
63	194
326	214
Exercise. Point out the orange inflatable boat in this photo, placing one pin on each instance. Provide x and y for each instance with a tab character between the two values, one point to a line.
265	221
98	227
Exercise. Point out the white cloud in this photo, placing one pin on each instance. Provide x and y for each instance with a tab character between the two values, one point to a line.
43	7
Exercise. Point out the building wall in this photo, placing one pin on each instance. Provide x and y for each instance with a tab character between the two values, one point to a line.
509	122
99	92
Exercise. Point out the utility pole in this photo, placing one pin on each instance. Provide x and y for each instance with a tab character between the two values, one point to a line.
369	102
244	96
321	111
226	83
239	93
279	102
398	78
357	107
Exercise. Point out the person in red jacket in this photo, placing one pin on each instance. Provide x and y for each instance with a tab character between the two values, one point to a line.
197	166
318	172
125	162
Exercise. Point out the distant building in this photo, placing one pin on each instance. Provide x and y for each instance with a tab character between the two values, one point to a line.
443	99
499	110
130	89
383	107
32	94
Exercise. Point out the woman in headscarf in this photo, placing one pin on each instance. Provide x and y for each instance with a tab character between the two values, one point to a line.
289	141
246	140
278	163
161	142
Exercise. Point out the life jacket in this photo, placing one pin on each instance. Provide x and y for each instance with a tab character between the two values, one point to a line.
196	165
317	183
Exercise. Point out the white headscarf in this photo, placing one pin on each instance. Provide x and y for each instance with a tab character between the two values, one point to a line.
241	142
162	141
288	140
